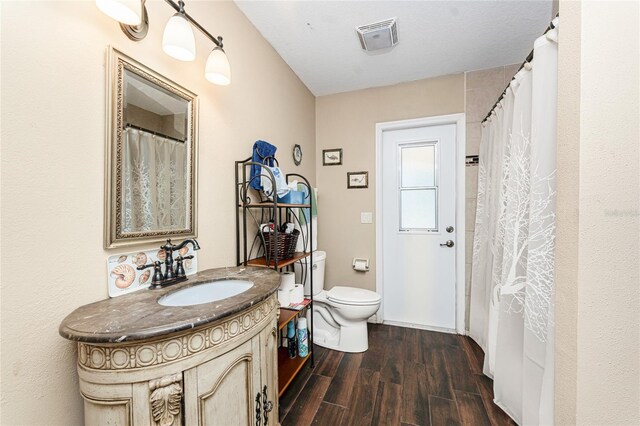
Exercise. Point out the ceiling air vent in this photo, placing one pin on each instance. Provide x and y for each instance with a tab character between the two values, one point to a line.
379	35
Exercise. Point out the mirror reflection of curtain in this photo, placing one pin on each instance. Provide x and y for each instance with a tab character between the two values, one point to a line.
512	281
154	179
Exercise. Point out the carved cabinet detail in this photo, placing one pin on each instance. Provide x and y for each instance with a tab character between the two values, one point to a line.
221	374
166	400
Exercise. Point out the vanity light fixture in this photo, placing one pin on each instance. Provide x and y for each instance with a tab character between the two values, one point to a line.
128	12
178	40
217	69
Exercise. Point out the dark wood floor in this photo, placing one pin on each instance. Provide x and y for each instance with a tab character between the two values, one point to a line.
407	377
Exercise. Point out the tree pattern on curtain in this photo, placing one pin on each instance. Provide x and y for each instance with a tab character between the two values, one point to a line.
528	264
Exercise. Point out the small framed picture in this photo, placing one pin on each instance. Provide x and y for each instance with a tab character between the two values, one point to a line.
332	157
357	180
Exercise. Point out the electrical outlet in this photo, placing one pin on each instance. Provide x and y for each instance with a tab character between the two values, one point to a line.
366	217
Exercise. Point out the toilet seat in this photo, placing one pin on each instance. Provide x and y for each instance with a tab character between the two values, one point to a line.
353	296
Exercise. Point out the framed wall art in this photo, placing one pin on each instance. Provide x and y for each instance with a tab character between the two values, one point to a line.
332	157
357	180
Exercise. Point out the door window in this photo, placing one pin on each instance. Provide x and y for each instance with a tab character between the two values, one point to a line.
418	189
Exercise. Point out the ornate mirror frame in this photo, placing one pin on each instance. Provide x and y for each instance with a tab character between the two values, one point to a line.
117	63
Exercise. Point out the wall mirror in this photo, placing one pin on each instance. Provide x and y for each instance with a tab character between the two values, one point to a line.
151	155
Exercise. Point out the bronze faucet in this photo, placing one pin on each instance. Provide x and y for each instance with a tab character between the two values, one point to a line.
170	276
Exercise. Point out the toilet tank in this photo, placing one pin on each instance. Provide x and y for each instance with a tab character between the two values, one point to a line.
302	273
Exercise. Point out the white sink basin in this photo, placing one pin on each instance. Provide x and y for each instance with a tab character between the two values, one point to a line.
205	293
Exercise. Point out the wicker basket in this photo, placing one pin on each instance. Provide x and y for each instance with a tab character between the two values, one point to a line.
283	248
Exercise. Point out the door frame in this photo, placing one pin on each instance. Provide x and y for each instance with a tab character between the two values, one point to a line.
459	121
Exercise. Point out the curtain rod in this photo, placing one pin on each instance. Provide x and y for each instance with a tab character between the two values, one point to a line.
528	59
132	126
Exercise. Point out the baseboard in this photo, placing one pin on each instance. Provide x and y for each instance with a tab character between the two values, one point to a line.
421	327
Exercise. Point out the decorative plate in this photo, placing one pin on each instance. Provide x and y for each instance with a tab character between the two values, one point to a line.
297	154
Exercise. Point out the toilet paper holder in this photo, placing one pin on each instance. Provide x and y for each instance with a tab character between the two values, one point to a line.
361	264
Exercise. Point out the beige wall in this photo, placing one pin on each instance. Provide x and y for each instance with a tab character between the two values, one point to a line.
483	87
598	245
53	126
347	121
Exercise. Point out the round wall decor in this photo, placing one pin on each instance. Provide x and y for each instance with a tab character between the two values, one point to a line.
297	154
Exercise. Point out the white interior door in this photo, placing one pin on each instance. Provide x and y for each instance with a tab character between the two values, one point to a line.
418	228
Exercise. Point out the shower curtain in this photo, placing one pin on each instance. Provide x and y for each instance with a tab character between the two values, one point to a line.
511	313
154	182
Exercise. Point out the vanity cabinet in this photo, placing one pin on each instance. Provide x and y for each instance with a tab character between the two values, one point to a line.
223	373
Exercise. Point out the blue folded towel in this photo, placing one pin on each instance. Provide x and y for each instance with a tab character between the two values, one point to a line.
261	150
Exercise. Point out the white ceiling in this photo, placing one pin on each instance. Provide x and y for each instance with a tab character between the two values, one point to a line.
318	40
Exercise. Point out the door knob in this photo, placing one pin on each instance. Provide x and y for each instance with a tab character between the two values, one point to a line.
449	243
450	229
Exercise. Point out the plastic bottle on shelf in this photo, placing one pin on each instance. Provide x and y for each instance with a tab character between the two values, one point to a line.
303	338
291	339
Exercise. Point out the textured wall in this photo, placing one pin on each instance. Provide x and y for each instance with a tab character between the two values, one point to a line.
347	121
53	126
483	87
567	210
598	244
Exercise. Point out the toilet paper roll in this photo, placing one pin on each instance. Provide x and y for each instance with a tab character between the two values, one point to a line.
287	280
297	295
284	297
361	264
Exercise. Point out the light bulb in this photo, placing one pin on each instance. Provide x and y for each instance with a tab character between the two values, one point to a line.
128	12
217	69
178	40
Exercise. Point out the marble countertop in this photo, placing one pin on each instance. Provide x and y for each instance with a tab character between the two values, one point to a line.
139	316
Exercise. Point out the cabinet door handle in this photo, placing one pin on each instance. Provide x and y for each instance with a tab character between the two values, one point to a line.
267	405
258	409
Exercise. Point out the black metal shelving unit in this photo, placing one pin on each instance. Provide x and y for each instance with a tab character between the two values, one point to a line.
254	208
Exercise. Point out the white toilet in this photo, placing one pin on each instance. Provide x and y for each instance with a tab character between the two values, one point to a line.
340	314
